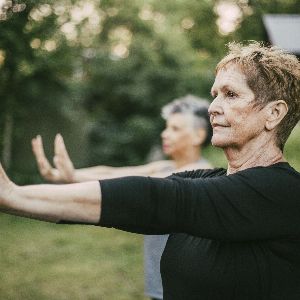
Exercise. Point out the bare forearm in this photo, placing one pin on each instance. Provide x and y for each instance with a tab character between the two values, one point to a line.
90	175
97	169
106	172
79	202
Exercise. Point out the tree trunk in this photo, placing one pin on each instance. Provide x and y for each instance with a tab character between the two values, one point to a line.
7	140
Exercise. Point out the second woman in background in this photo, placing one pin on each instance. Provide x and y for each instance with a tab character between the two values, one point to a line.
187	130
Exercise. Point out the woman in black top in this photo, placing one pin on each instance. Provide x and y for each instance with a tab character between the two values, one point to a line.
235	234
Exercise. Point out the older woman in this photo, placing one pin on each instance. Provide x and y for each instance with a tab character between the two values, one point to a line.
187	130
235	233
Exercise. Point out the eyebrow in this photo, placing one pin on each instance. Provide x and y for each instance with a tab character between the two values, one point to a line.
225	87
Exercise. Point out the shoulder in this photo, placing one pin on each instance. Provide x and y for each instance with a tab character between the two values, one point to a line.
161	166
201	173
278	169
273	174
277	176
203	164
198	168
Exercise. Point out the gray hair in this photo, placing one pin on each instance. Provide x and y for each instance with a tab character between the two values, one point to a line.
272	74
191	105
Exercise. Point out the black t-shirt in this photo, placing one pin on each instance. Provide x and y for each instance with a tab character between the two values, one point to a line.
232	237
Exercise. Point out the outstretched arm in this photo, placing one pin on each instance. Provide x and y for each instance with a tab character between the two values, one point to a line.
79	202
64	170
238	207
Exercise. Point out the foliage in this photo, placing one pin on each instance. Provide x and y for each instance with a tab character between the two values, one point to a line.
103	69
125	92
33	72
99	71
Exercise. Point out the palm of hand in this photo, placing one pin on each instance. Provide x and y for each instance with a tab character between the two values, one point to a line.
63	170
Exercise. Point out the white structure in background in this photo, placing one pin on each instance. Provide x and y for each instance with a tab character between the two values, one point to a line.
284	31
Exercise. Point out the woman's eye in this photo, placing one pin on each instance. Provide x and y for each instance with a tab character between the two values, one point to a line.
231	94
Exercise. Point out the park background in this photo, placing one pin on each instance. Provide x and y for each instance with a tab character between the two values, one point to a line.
98	72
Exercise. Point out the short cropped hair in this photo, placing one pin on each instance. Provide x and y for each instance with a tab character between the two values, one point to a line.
272	74
196	107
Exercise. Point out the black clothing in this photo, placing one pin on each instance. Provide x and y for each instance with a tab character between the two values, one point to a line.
232	237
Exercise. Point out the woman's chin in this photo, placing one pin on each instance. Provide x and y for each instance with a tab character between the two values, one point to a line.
219	142
167	151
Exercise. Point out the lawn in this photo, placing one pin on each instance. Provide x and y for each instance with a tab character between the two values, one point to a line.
47	261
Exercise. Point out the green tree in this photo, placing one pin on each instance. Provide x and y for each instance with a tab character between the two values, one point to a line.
142	59
35	65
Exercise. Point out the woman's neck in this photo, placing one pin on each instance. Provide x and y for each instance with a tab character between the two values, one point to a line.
253	155
187	157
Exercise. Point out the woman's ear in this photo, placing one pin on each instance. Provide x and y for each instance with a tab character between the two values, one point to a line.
199	137
276	111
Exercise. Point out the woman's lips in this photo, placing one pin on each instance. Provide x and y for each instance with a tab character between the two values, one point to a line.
165	146
216	125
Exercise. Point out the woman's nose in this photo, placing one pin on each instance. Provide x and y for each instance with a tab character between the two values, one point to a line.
215	107
163	133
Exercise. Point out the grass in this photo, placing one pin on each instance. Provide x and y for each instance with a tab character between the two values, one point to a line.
47	261
292	148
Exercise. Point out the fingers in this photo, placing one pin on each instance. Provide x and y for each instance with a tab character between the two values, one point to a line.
60	148
38	150
44	166
37	146
60	166
3	177
62	160
6	187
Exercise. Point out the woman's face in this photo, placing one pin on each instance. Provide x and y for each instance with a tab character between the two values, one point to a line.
234	118
180	136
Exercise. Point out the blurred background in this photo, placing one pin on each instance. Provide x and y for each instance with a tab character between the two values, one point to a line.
98	72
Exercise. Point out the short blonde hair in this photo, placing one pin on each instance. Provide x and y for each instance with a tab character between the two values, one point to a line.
272	74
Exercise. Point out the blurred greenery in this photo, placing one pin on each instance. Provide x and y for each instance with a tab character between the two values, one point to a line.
98	71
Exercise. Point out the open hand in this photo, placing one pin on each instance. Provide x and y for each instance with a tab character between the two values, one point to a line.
63	170
6	187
